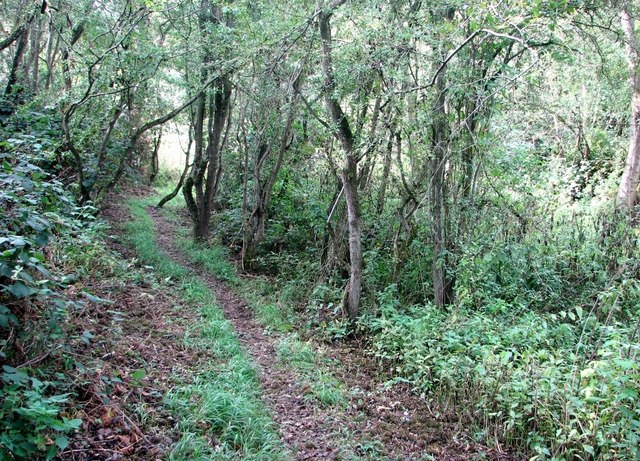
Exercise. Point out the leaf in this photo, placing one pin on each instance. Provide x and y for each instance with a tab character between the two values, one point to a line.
62	442
138	375
6	269
13	375
42	239
625	364
95	299
20	290
73	423
18	242
7	317
35	224
628	394
87	336
587	373
52	451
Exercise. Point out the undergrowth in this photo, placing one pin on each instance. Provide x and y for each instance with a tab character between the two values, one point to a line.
526	380
538	355
40	225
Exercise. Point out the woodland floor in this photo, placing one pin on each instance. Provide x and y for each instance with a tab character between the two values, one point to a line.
377	421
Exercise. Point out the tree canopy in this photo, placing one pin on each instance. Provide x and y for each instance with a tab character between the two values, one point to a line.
456	182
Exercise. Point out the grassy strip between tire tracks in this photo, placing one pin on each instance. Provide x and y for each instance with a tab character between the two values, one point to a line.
219	411
323	388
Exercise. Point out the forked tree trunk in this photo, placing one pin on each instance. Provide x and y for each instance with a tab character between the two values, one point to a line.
206	172
262	190
628	190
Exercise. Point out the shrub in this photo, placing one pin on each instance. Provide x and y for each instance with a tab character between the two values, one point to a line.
534	382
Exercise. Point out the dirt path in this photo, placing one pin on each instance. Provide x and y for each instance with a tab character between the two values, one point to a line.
392	423
134	327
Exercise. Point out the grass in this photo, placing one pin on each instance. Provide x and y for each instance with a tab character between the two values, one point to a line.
319	384
296	353
219	411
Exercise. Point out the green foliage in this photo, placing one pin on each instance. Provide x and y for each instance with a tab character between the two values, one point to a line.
39	222
38	214
537	341
31	422
528	379
326	390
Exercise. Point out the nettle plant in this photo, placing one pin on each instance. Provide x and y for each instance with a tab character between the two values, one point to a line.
35	208
31	421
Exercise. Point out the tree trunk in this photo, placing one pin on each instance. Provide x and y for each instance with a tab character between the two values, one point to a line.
51	52
21	47
254	229
66	55
438	197
628	191
350	182
155	161
209	162
349	171
15	35
386	168
33	67
221	114
255	226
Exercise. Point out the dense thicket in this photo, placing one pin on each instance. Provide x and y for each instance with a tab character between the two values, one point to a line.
456	181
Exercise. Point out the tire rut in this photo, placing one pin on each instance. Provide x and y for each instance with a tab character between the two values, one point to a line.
305	430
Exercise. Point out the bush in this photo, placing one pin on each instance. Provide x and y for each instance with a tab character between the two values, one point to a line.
534	382
39	226
31	421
